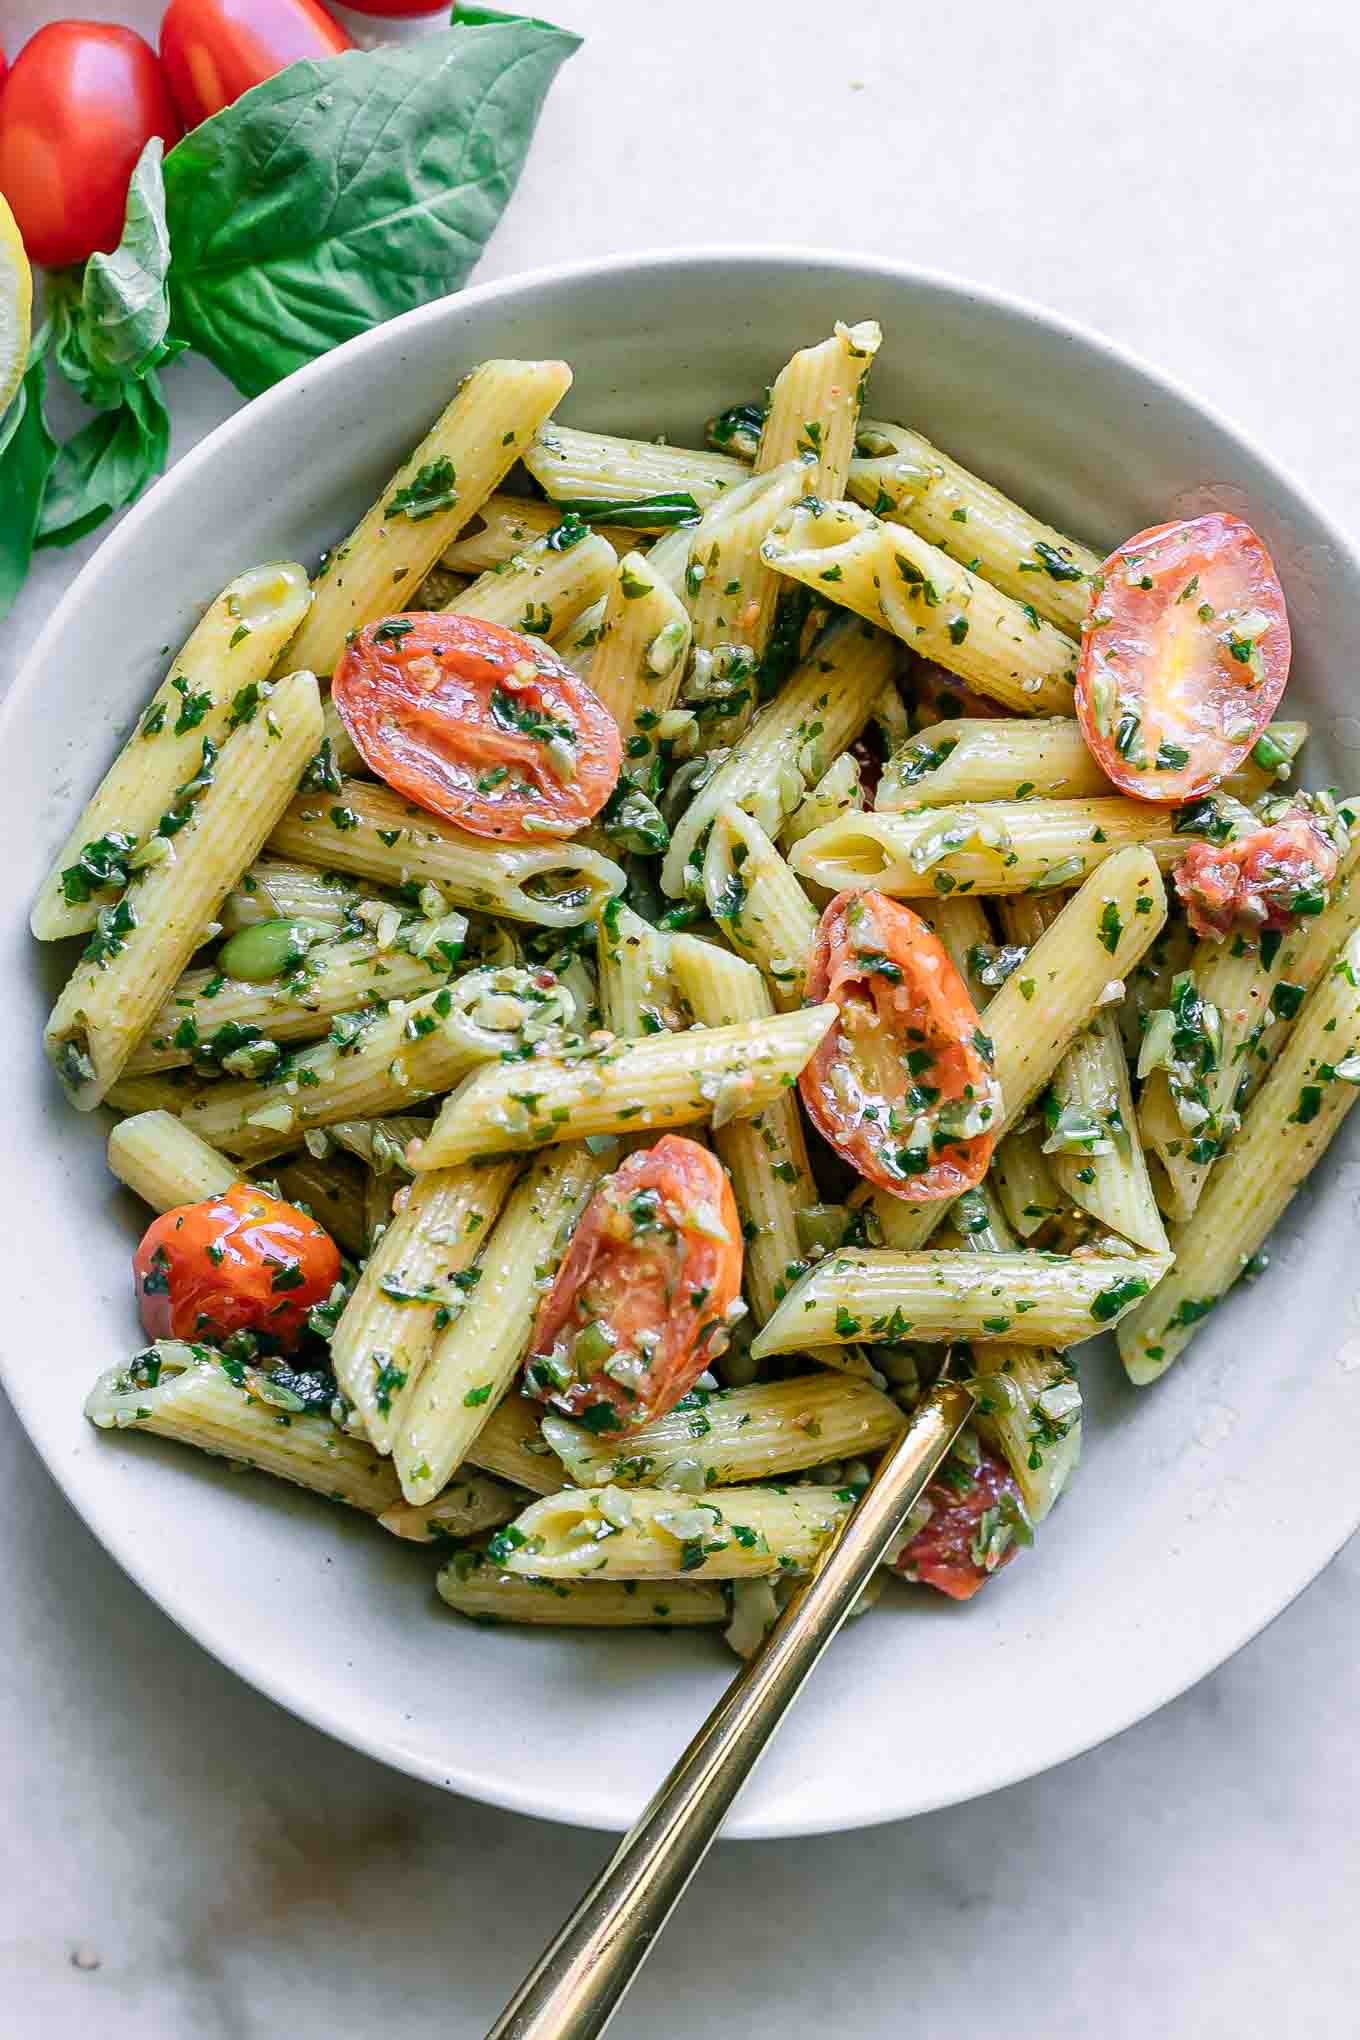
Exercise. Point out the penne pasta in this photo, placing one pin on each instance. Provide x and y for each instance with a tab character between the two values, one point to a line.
759	904
140	946
901	476
977	759
1002	648
272	890
993	847
374	833
206	1015
1285	1132
544	588
731	1534
417	1279
511	1445
814	408
472	1585
666	1082
731	593
375	1062
867	1293
637	996
166	1164
1028	1408
597	470
462	459
639	664
473	1359
817	714
468	1504
214	685
504	526
718	1436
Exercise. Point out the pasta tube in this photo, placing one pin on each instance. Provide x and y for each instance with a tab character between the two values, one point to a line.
977	759
463	457
1100	1164
907	479
511	1445
272	890
203	1006
468	1504
867	1293
588	468
542	589
814	408
1001	647
994	847
731	595
641	1534
373	1063
1028	1408
475	1357
791	743
504	526
639	663
214	685
165	1164
418	1277
759	904
1287	1129
735	1434
141	945
374	833
471	1585
634	960
197	1395
666	1081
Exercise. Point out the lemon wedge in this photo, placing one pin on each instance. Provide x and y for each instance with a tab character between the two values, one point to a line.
16	307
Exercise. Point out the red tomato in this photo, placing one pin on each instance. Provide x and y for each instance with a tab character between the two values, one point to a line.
214	50
398	10
1265	881
241	1262
641	1299
965	1541
81	103
900	1085
478	724
1184	656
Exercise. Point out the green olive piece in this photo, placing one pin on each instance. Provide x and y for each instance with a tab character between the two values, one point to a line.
270	949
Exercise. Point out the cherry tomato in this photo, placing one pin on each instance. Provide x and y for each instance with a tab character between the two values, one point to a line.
81	103
478	724
965	1540
1266	881
642	1297
241	1262
1184	656
399	10
214	50
900	1085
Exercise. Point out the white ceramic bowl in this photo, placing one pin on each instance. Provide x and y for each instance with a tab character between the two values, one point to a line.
1204	1504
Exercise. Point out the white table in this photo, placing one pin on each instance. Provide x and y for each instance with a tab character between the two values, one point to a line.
185	1859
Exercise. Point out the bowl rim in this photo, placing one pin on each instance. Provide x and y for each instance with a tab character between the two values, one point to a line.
546	1801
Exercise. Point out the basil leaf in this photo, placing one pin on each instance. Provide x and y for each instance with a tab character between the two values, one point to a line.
124	306
27	451
105	465
346	190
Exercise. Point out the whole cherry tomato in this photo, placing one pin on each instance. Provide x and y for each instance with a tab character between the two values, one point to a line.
900	1086
214	50
478	724
81	103
642	1297
1184	657
241	1262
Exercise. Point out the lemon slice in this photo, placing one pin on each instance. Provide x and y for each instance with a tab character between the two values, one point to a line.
16	307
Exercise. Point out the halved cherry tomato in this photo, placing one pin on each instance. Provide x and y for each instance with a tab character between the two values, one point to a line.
901	1084
1268	880
1184	657
241	1262
642	1298
965	1540
214	50
81	103
478	724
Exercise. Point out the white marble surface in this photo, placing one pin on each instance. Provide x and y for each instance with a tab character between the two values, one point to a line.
183	1858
